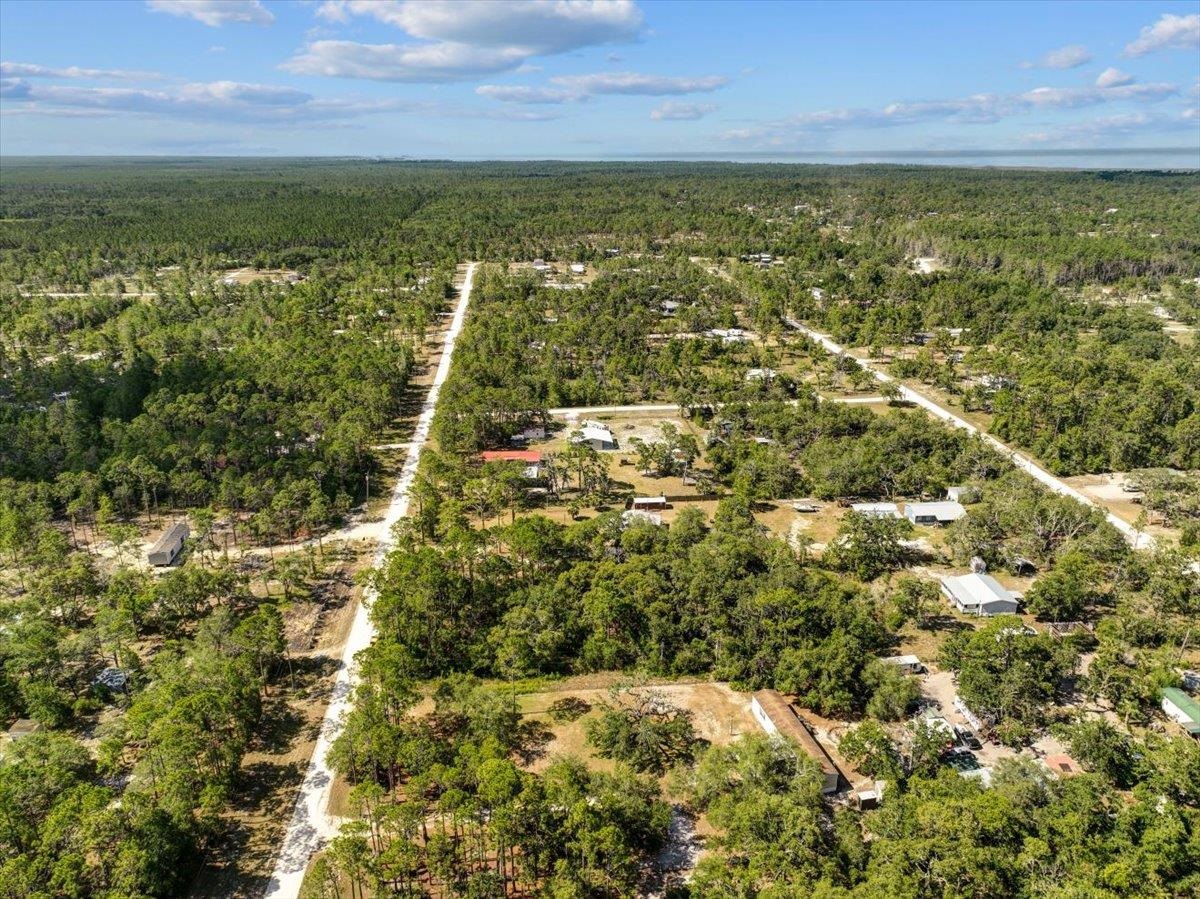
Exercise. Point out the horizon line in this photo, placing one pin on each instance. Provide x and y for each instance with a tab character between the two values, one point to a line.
828	157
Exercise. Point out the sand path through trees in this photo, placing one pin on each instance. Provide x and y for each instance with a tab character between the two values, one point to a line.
312	825
1137	538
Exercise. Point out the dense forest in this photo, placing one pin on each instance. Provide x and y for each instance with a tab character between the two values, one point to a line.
235	342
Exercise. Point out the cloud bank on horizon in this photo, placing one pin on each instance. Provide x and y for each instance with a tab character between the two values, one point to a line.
405	77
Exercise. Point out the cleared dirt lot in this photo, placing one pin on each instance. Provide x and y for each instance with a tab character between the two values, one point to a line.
1108	490
250	275
719	715
559	273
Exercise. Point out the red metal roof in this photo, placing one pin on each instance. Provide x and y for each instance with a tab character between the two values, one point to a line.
511	456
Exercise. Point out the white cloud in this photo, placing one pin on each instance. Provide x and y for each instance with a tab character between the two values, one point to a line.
1113	77
1168	33
975	109
204	101
1068	57
1087	133
401	62
672	110
1066	97
578	88
634	83
215	13
465	39
543	27
1105	126
226	101
31	70
512	93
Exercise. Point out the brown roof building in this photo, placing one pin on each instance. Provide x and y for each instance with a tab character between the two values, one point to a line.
776	716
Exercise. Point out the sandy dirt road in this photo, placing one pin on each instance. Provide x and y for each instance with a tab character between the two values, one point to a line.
312	825
1138	539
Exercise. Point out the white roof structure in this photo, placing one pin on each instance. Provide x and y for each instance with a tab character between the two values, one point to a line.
905	661
941	512
761	374
595	433
978	594
877	510
941	725
728	335
629	516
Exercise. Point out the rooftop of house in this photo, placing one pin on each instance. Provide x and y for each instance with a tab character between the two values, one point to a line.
976	589
596	432
784	717
176	533
1062	765
943	510
875	507
1182	701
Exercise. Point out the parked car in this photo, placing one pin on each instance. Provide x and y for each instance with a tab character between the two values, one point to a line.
961	760
967	739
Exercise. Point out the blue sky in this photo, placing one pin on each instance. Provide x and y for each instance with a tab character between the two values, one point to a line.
593	78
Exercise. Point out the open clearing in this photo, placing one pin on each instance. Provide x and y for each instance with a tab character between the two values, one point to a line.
719	715
249	275
1108	490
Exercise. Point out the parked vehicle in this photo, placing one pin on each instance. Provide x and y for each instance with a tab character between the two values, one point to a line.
967	739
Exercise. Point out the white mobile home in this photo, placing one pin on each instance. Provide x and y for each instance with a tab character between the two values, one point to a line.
596	436
934	513
533	432
978	594
876	510
909	664
166	548
646	503
761	374
1182	709
776	716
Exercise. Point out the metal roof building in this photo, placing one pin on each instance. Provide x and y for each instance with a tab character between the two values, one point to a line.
169	545
876	510
1182	709
776	716
934	513
598	436
978	594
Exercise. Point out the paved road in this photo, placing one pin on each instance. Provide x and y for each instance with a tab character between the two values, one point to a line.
1137	539
312	825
